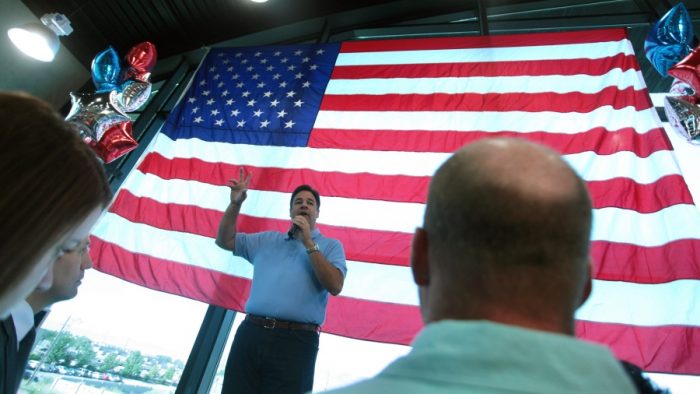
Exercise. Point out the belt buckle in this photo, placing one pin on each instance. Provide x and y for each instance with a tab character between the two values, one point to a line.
269	319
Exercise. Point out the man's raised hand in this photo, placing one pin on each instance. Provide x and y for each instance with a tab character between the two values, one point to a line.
239	187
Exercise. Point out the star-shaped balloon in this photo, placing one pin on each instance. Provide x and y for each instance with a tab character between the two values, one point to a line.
688	69
684	117
94	113
117	141
670	39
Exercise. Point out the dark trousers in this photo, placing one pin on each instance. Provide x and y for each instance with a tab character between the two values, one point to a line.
270	361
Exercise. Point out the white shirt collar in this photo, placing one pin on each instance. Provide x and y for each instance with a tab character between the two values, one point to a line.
23	317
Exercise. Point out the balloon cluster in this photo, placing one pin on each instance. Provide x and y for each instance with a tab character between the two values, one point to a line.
672	49
101	116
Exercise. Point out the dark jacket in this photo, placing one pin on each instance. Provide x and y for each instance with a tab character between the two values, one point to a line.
13	361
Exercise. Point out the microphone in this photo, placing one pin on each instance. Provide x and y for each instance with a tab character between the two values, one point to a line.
292	230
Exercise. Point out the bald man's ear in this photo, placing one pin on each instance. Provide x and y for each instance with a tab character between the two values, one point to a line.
419	257
588	287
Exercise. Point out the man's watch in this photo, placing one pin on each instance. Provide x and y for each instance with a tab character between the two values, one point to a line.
315	248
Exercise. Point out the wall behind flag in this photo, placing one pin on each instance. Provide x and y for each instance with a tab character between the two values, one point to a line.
20	72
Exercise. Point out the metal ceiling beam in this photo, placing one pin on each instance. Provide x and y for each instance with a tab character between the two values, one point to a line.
467	15
644	6
501	27
483	18
571	23
541	8
659	8
325	32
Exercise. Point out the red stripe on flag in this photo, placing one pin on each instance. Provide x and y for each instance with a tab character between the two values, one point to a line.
619	192
490	69
598	140
633	263
371	320
385	247
171	277
494	41
644	198
612	261
492	102
401	188
172	217
666	349
380	247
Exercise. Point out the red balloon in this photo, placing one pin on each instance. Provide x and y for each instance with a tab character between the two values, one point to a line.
142	57
688	69
117	141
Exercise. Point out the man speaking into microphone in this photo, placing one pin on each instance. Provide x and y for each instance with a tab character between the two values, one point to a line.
274	350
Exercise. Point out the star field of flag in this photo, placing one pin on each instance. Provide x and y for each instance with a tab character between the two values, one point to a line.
258	96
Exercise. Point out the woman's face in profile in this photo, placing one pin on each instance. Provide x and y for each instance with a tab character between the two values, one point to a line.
41	275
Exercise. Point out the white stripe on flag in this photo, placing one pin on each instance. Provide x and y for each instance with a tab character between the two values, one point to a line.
589	165
593	167
346	161
588	84
595	50
185	248
662	304
492	121
380	282
614	224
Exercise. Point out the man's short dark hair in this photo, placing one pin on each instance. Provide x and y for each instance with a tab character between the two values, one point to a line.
307	188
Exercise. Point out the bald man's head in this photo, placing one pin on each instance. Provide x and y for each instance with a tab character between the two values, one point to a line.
508	223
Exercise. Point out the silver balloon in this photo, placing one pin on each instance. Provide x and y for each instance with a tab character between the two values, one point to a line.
134	94
684	117
94	113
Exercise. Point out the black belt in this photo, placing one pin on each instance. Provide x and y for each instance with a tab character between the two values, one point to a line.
270	322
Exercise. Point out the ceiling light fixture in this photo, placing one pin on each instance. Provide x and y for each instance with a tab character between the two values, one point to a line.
259	1
40	41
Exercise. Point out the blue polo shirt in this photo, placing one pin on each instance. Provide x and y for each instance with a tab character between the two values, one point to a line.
284	284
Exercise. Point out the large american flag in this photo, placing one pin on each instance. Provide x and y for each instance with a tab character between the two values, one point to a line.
367	123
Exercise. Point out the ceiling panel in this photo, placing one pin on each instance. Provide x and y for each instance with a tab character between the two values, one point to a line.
178	26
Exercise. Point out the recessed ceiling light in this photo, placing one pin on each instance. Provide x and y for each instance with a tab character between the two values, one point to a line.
40	41
35	40
259	1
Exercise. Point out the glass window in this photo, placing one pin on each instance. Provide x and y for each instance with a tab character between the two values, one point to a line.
342	361
218	381
115	337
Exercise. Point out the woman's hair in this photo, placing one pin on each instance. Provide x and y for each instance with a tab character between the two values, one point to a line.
50	181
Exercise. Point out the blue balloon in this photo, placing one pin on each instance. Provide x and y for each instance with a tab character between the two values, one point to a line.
106	71
670	39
